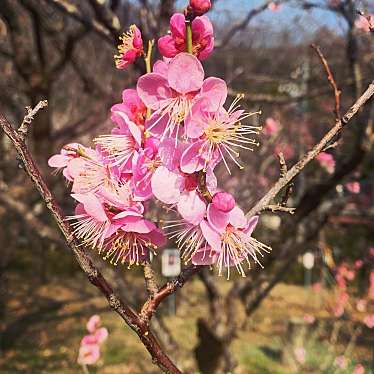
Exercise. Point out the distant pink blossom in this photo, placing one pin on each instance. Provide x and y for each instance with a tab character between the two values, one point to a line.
300	353
361	305
359	264
310	319
200	7
371	285
353	187
274	7
130	48
369	321
334	3
317	287
365	24
340	362
89	354
287	150
272	127
93	323
175	43
358	369
327	161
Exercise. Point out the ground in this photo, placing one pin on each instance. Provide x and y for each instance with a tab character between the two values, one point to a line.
45	338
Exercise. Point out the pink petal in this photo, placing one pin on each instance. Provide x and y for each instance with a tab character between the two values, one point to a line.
237	218
141	226
197	120
92	206
161	67
93	323
211	236
185	74
204	256
58	161
170	154
101	335
153	88
202	28
217	219
191	160
178	26
157	237
89	354
166	185
215	90
251	225
191	207
206	52
166	45
156	125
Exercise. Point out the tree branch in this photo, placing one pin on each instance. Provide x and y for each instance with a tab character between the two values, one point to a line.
132	319
311	155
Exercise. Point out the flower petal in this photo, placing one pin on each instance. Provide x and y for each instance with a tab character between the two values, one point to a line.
204	256
92	206
153	88
211	236
166	185
191	207
215	90
237	218
217	219
251	225
185	74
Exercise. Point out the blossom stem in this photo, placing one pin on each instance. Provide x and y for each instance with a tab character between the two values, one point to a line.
148	57
85	369
188	36
148	65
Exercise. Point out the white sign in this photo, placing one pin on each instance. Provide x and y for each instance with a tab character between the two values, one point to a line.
308	260
171	263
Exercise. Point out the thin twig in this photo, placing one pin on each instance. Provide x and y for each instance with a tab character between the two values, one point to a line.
331	80
25	125
312	154
279	208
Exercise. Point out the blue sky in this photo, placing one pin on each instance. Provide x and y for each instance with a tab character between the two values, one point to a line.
287	17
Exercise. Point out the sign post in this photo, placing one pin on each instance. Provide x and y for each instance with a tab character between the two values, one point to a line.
170	268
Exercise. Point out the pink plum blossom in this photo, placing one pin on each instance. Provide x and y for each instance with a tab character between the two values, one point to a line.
274	7
216	135
340	362
299	353
317	287
62	160
130	48
326	160
369	321
358	369
365	24
227	241
353	187
371	286
308	318
287	150
173	187
175	43
93	323
200	7
272	127
132	107
89	354
171	97
223	202
361	305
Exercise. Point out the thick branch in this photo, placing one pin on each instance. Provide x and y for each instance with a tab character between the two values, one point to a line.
311	155
84	261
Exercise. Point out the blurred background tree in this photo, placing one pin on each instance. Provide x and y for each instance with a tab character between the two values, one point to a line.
62	51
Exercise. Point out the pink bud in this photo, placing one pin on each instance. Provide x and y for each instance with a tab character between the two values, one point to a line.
199	7
223	201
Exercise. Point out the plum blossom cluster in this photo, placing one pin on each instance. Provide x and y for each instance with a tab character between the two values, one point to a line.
170	132
89	350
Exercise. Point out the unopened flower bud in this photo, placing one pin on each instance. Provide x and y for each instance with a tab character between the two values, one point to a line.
200	7
223	201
